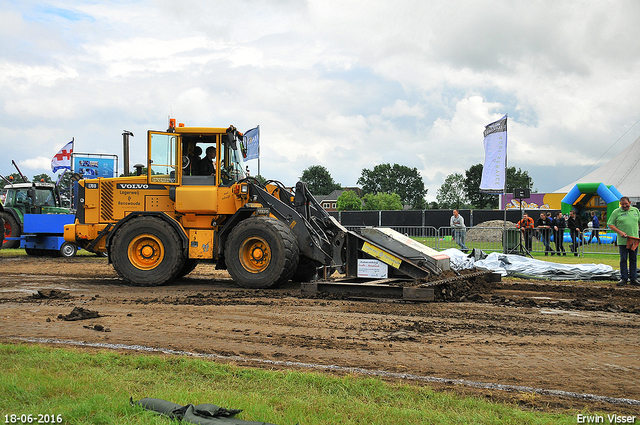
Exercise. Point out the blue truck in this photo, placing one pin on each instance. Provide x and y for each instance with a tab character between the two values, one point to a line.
43	235
20	199
32	217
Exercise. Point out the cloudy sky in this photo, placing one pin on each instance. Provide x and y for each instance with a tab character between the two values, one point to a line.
343	84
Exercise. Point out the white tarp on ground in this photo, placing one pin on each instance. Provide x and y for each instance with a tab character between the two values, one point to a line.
520	266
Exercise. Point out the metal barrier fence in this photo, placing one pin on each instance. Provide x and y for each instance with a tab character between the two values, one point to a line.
497	239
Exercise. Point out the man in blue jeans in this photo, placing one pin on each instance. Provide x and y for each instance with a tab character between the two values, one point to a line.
544	227
625	221
595	227
459	229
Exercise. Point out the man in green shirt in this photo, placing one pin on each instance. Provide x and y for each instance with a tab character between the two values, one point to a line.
625	221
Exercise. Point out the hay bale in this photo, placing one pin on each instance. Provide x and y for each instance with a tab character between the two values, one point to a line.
489	231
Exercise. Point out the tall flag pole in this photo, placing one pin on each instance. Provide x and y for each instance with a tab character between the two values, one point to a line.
494	171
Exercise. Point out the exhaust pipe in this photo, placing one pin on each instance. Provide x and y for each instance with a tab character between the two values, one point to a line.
125	151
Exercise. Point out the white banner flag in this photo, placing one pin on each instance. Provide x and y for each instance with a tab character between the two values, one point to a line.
63	158
495	157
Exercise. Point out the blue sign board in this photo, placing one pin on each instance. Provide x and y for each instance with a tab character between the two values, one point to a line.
92	167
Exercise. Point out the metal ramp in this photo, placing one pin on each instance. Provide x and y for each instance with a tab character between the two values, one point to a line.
405	257
399	257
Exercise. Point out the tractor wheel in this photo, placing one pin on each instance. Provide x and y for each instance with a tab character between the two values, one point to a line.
68	250
31	251
307	269
146	251
261	253
11	230
189	265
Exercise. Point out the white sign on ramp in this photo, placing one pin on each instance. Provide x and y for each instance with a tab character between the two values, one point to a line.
372	269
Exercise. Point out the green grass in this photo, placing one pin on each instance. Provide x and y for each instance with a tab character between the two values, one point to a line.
94	388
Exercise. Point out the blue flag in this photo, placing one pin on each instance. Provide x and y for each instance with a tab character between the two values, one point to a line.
252	143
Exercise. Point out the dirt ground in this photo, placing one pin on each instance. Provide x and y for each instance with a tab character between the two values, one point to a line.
577	337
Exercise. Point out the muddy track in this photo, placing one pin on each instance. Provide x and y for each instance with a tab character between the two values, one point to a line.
579	337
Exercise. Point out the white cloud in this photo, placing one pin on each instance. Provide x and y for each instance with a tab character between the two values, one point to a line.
39	162
330	82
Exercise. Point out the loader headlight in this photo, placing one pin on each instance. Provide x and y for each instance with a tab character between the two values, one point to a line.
241	189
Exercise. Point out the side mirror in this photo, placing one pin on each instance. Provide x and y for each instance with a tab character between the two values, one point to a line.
231	136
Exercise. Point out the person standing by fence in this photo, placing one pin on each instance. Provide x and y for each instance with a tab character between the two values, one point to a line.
625	221
458	229
575	228
595	227
526	227
559	224
544	227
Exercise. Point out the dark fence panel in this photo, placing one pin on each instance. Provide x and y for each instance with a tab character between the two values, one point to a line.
359	218
434	218
401	218
441	218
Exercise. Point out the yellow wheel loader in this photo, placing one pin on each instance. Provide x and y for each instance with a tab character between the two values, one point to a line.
179	210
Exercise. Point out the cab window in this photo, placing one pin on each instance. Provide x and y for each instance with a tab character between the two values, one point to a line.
163	158
231	163
45	197
199	159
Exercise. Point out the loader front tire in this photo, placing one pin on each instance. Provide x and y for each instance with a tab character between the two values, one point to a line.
261	252
11	229
307	269
146	251
189	265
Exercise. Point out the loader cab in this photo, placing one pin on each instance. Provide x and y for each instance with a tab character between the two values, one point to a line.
177	158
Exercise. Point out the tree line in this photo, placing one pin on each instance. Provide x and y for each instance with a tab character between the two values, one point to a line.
384	187
391	187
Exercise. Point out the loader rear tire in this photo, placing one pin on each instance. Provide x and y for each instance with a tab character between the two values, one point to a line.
11	230
146	251
261	252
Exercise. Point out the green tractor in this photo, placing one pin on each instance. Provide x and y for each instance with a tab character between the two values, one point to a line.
1	225
27	198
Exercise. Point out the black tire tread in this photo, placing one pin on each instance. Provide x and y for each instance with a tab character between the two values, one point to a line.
306	269
15	231
189	265
165	272
288	243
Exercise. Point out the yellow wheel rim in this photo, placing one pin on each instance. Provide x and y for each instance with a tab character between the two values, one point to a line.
255	254
146	252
